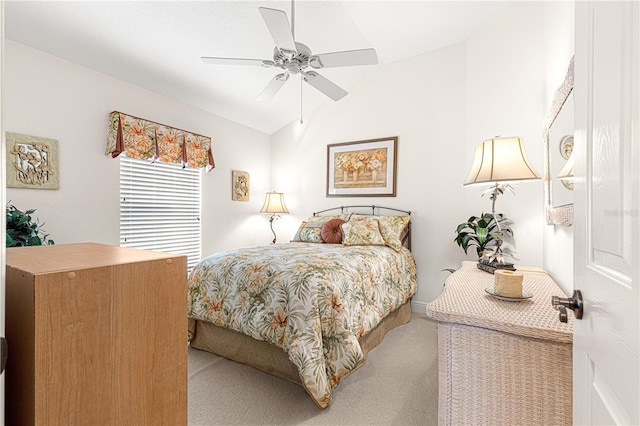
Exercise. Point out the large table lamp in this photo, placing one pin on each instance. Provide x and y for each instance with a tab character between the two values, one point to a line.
274	204
500	161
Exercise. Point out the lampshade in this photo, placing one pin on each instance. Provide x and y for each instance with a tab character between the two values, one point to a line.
566	173
500	160
274	203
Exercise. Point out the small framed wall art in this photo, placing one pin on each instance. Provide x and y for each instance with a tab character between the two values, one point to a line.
240	186
32	162
362	168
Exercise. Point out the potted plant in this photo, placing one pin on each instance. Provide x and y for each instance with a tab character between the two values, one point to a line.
482	232
22	230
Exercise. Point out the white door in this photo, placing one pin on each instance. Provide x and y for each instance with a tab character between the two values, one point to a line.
606	365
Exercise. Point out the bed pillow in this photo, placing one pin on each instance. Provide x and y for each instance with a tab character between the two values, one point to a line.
331	232
392	228
296	237
311	230
362	232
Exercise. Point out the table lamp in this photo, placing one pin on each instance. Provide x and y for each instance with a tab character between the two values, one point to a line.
499	161
566	174
274	204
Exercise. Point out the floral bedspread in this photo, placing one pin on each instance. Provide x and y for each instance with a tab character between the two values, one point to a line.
313	300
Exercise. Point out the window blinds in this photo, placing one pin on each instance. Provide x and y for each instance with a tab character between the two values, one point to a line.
160	207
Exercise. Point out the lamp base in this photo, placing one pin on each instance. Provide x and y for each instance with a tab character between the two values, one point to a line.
271	219
491	267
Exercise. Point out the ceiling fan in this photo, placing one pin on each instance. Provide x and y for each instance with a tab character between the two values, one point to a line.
296	58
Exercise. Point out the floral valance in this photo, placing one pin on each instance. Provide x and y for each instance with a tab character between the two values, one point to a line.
144	139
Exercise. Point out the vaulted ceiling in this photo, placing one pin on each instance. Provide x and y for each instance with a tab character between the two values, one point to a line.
158	44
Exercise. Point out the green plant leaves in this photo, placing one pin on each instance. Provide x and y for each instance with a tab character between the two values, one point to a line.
22	230
481	231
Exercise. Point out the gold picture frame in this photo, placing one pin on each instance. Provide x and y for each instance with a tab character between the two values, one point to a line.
362	168
240	188
32	162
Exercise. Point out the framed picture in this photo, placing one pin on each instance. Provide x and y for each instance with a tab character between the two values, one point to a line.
32	162
239	186
362	168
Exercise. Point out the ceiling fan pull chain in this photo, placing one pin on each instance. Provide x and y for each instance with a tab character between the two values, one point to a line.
301	80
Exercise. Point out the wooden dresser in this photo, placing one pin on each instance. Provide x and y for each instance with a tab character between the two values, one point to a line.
97	334
502	362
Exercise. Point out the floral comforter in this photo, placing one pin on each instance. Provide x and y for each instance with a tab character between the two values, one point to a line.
313	300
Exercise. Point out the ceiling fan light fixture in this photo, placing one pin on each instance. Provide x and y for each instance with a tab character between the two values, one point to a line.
309	75
315	62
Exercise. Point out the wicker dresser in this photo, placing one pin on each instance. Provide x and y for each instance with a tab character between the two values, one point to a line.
502	362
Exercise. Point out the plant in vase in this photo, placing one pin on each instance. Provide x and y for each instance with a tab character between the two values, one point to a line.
344	162
23	231
375	164
360	164
484	233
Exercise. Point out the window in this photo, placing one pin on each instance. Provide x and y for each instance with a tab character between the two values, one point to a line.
160	207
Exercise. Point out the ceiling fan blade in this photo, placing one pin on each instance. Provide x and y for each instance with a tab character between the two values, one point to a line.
273	87
325	86
278	25
236	61
345	58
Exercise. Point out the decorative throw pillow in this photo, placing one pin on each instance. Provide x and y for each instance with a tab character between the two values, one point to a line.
362	232
391	228
311	230
296	237
331	232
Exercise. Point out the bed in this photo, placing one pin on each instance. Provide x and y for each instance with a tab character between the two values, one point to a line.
308	311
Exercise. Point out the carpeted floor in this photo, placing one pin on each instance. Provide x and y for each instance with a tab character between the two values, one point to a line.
398	385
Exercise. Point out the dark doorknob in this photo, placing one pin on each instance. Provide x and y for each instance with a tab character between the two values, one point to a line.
574	303
4	354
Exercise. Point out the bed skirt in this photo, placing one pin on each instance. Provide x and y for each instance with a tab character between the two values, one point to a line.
270	358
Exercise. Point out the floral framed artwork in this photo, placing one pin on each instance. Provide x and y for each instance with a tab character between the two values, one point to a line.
362	168
239	186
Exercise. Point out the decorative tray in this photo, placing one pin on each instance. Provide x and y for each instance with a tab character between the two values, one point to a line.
525	295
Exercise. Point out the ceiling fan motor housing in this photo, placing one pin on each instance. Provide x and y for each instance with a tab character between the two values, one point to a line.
294	62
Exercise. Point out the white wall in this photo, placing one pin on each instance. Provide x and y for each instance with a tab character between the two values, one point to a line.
505	80
50	97
420	100
559	46
514	66
439	104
